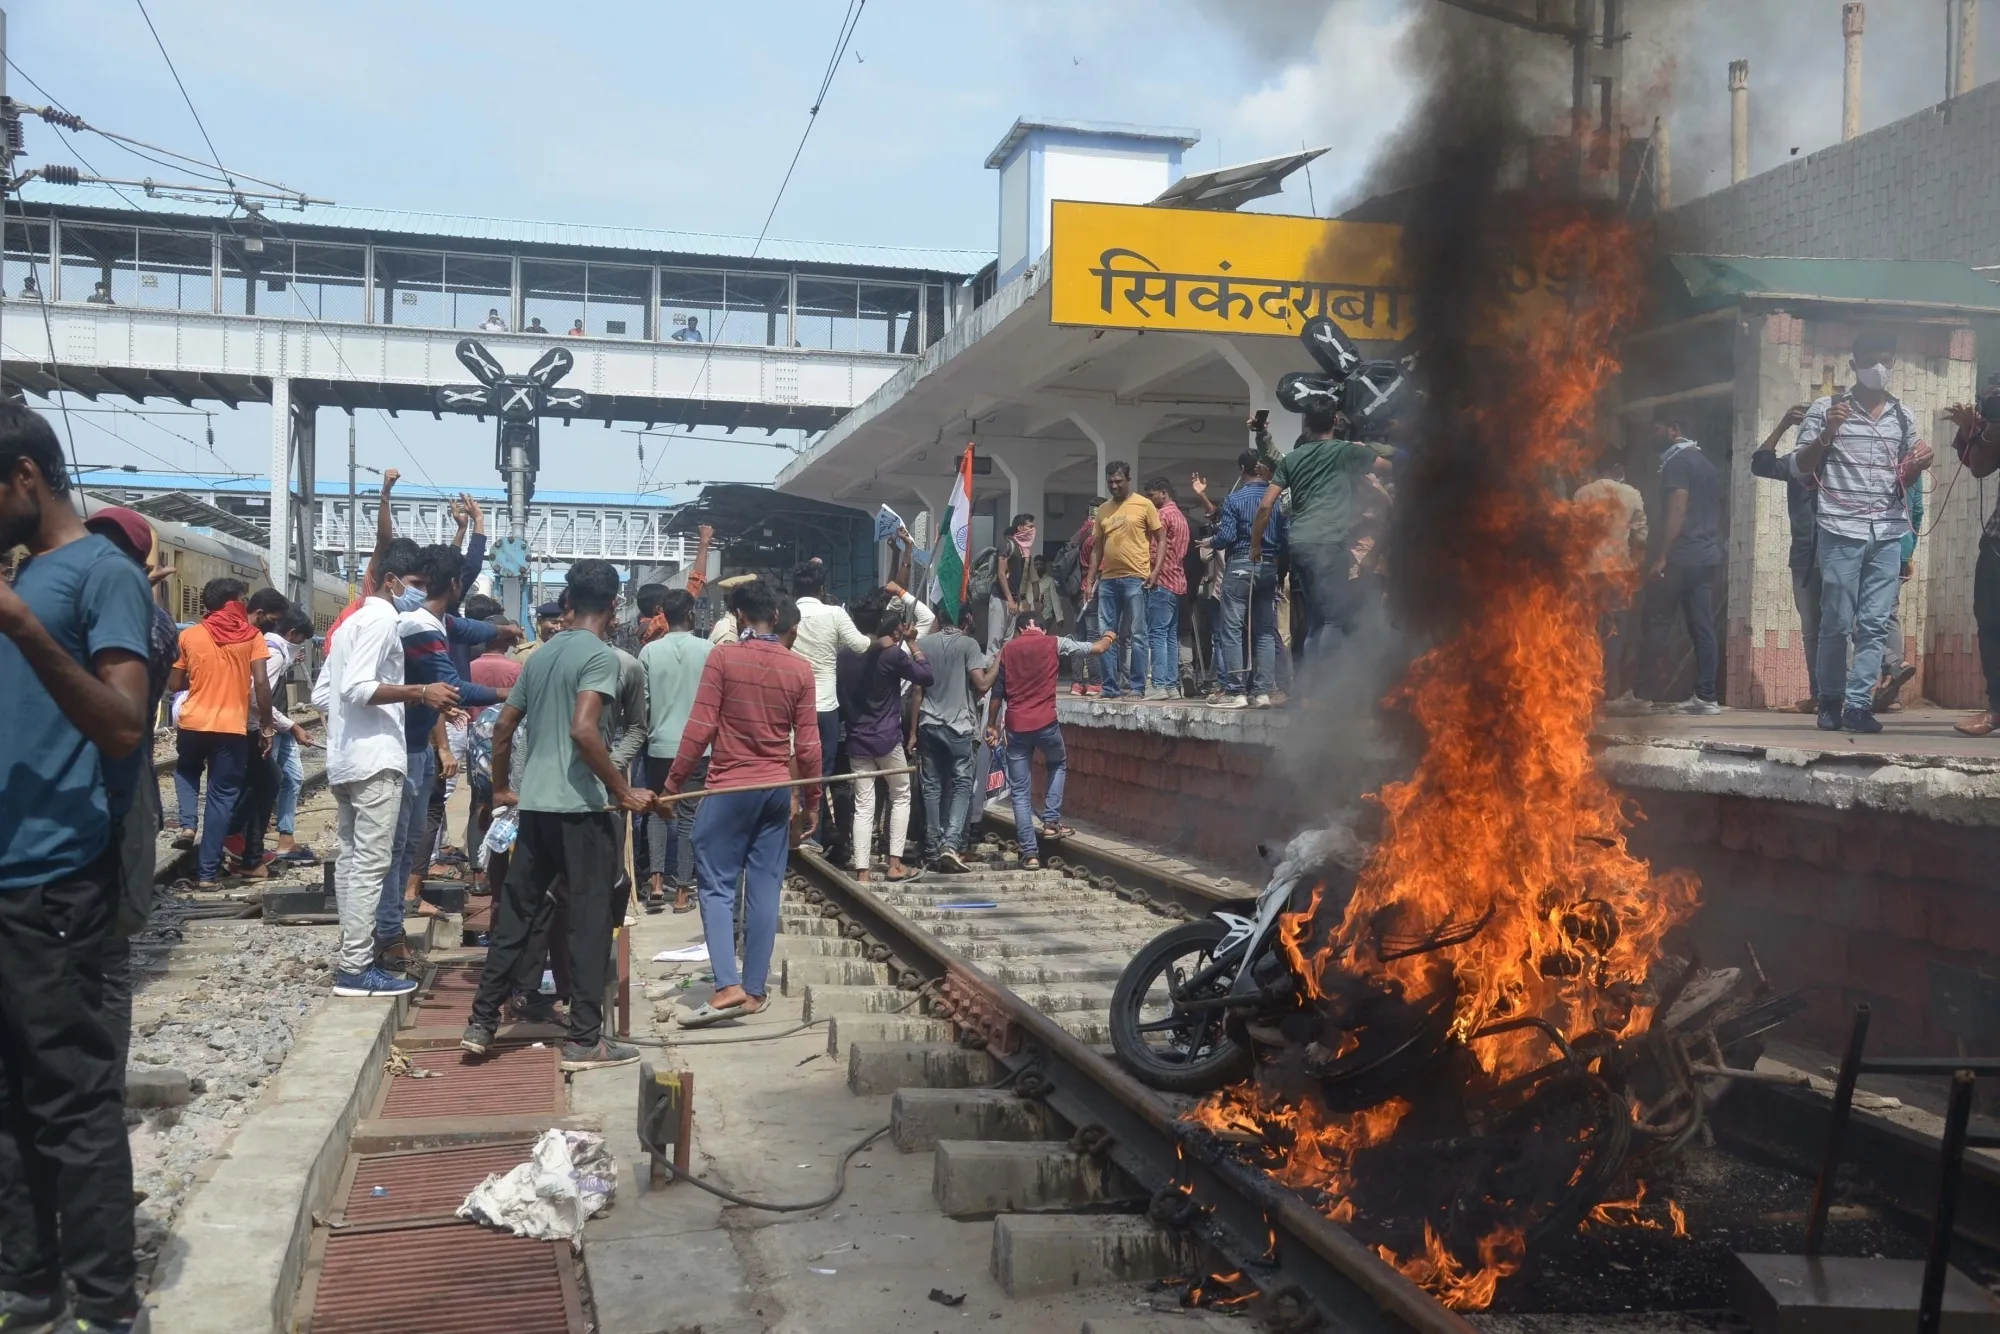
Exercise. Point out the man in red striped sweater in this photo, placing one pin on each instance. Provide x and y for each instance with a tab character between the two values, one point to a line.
755	715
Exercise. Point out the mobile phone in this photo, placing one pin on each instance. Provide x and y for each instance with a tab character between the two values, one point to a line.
1261	416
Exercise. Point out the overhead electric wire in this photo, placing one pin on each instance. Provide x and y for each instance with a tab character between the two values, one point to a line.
184	93
848	23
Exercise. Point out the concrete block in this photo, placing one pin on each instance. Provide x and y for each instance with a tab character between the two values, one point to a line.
797	974
809	926
824	1000
843	1030
920	1117
816	947
1042	1253
156	1086
976	1178
884	1067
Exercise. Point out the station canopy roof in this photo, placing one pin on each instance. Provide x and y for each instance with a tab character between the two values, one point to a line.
1708	282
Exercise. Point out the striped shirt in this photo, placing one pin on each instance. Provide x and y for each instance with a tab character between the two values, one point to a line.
755	701
1860	485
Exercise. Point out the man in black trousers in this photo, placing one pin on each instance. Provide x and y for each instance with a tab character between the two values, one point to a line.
570	794
74	628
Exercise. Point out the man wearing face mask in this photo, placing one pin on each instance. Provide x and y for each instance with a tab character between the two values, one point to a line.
1863	448
361	693
1011	571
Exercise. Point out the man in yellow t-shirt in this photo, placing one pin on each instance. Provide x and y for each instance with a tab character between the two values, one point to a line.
1124	563
218	669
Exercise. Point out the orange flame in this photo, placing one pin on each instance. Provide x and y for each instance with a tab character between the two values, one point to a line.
1628	1213
1506	810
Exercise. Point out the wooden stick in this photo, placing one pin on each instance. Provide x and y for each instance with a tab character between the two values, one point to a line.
668	798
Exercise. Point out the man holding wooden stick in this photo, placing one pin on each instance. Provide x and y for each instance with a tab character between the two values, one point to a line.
755	716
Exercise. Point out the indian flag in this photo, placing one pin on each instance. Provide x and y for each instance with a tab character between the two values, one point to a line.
953	566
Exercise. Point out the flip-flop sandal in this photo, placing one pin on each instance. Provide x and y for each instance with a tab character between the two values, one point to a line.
1057	831
296	857
1032	864
183	842
906	877
678	909
709	1014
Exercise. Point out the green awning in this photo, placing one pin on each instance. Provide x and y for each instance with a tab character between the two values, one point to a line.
1707	282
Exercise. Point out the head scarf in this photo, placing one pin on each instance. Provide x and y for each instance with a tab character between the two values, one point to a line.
230	625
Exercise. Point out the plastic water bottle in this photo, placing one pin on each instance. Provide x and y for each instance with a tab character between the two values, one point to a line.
548	982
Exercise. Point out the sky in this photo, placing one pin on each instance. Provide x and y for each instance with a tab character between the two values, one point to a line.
684	115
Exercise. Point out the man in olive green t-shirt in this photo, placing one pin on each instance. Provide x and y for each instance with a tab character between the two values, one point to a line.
1321	473
569	802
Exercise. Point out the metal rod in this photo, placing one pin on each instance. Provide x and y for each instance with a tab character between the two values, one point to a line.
1951	1155
353	557
776	787
1836	1130
1931	1065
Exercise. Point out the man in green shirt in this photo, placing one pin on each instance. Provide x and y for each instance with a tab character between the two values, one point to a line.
570	790
1321	473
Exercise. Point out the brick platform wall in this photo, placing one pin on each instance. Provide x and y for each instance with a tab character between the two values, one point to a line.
1852	903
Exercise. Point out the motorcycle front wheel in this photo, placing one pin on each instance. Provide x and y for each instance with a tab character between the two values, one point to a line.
1164	1045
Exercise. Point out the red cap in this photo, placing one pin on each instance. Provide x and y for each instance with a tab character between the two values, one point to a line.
127	528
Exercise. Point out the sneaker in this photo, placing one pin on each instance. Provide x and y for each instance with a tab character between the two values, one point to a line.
476	1040
1106	692
603	1056
77	1324
1092	691
1078	688
1698	705
1230	701
949	860
1829	715
539	1008
29	1313
374	982
1260	701
1858	720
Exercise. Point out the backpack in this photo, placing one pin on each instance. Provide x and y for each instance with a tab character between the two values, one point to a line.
985	570
1067	569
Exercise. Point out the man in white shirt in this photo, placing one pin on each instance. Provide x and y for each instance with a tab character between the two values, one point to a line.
361	694
824	630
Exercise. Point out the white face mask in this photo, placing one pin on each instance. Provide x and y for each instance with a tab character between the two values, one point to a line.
1874	377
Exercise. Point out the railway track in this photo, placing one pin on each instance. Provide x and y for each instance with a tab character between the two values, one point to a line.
1029	980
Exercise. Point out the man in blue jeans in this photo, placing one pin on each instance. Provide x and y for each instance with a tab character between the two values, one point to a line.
1164	593
1027	687
754	716
1864	450
1249	592
1124	563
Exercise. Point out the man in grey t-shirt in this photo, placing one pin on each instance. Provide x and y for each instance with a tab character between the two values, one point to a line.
948	739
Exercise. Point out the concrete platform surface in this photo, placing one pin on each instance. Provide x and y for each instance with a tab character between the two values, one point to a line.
771	1120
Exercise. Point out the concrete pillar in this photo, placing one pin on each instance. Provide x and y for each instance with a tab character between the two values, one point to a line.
1739	120
280	541
1026	467
1663	166
305	438
1965	75
1853	17
1117	432
1262	362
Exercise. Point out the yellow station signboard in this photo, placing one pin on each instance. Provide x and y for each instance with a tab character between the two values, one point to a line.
1132	266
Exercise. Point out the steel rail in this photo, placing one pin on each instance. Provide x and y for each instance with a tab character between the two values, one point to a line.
1263	1229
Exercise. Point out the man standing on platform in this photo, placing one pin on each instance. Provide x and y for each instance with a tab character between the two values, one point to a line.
753	716
825	632
1322	473
1124	564
1802	512
74	629
1865	451
1028	668
570	793
361	693
1164	593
